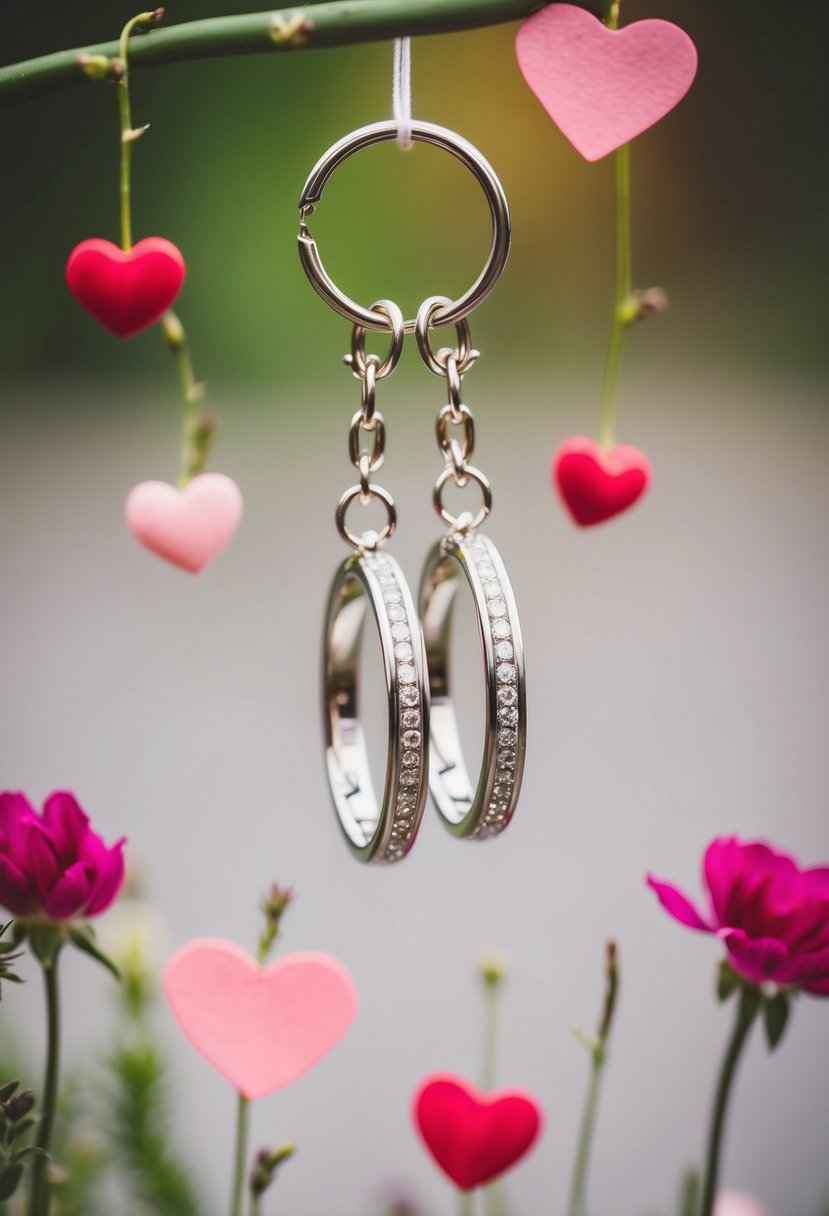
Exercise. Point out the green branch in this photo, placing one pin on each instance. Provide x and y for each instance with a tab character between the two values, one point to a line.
311	26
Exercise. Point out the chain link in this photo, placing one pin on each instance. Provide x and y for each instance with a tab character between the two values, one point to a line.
368	421
451	363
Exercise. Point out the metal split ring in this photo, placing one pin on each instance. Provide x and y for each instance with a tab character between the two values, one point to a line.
423	132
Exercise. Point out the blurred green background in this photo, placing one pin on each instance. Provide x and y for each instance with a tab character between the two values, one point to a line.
729	199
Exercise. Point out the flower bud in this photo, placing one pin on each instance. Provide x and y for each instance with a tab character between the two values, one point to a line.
493	967
266	1163
19	1106
95	67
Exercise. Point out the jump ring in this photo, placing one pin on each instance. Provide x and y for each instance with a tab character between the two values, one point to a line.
396	325
463	352
454	521
368	541
383	833
486	808
421	132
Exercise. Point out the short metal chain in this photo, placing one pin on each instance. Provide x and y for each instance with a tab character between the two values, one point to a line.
452	363
368	421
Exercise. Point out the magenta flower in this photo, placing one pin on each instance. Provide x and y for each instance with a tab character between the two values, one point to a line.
772	916
54	863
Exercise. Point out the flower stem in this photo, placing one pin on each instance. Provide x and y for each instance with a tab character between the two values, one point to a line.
40	1181
493	1195
241	1156
598	1059
747	1010
197	431
578	1187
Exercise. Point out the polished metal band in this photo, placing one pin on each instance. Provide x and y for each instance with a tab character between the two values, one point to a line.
386	833
486	809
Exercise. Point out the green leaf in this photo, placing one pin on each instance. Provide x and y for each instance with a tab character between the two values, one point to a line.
10	1180
775	1017
25	1125
84	939
728	981
8	1089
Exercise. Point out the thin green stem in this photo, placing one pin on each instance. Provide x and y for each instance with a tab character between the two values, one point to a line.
240	1156
578	1187
125	114
196	430
466	1203
40	1196
489	1064
335	23
747	1010
624	309
493	1195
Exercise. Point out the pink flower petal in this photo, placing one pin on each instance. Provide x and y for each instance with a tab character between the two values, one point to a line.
110	877
14	888
758	959
722	867
678	905
66	821
70	892
812	965
15	811
43	865
817	987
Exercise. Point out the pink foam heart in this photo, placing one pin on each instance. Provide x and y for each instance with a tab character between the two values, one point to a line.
603	87
260	1027
187	527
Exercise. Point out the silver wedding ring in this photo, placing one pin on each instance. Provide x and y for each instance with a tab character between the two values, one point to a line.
484	808
375	832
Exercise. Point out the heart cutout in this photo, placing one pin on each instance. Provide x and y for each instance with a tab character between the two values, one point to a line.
596	484
473	1136
260	1027
187	527
125	291
603	87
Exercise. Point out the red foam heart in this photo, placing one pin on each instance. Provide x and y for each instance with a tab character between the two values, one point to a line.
472	1136
596	484
603	87
126	292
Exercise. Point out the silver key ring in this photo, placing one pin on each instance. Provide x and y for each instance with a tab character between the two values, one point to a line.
424	132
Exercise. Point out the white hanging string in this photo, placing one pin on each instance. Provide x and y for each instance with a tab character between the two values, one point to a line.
401	98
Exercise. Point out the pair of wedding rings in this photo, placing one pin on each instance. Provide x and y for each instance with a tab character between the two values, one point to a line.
424	746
